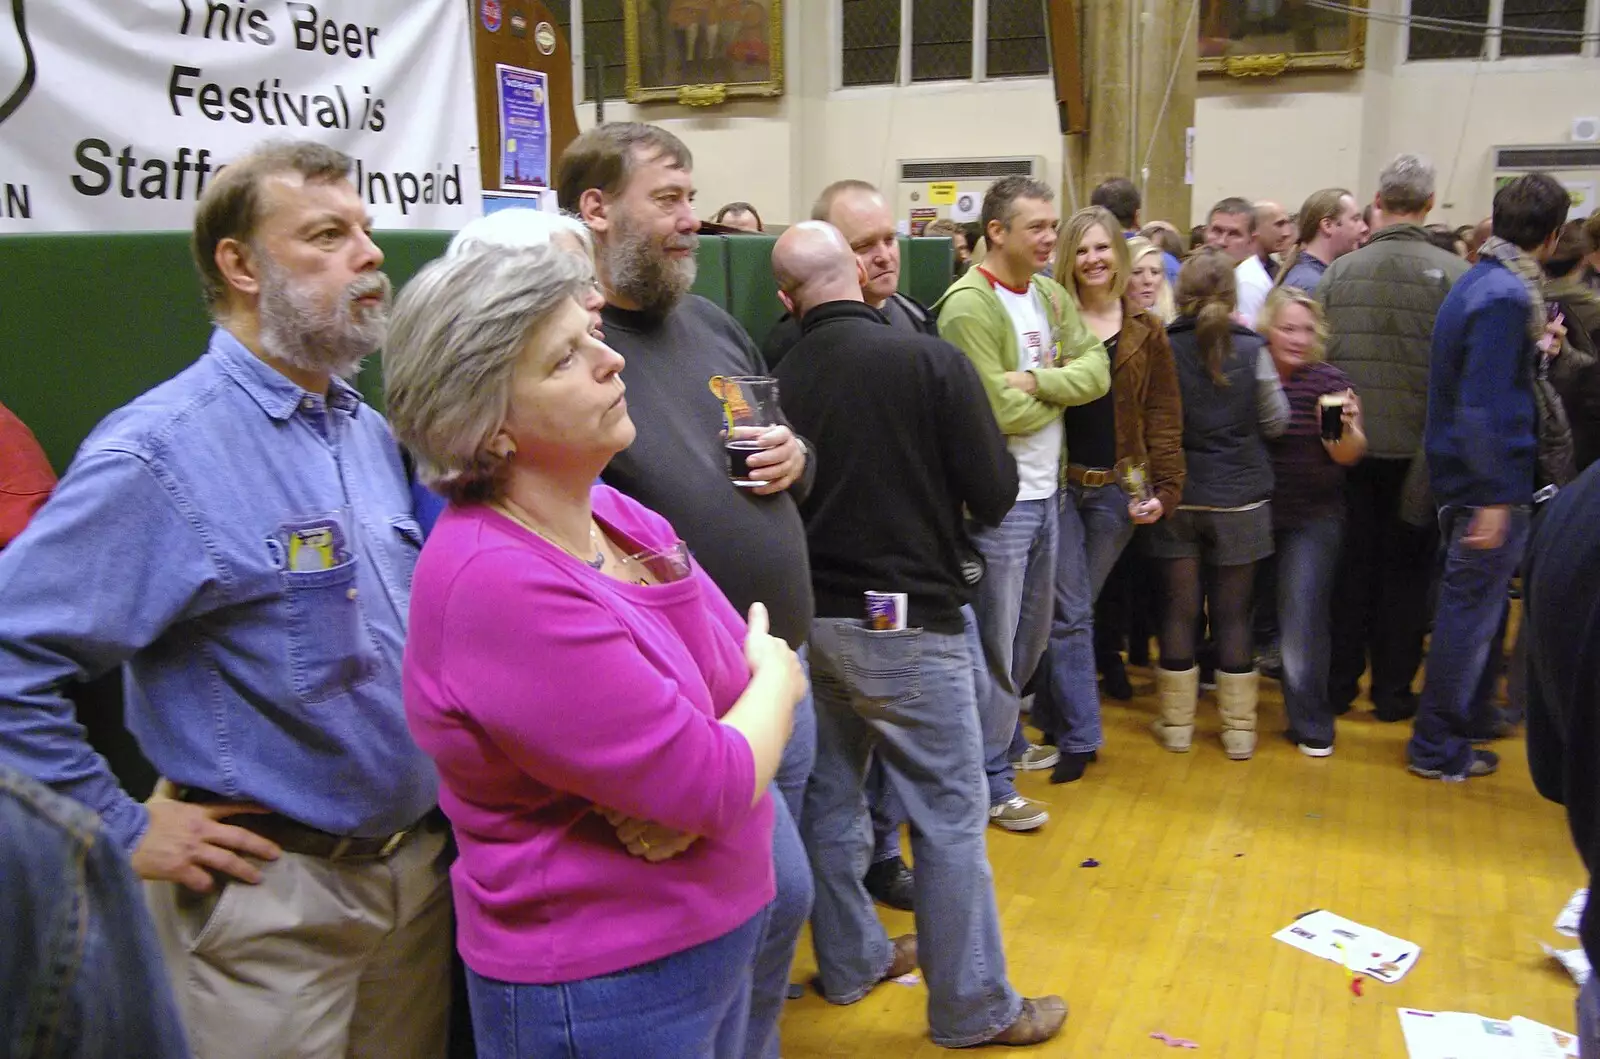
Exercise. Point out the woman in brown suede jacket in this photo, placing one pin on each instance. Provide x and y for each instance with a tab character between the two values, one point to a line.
1140	423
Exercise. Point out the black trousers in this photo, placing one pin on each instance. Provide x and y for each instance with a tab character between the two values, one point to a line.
1380	600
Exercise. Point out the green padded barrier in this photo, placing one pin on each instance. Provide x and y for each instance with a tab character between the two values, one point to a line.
925	267
93	320
711	269
752	291
90	321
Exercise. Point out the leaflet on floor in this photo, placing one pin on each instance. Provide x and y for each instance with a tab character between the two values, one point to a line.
1360	949
1462	1035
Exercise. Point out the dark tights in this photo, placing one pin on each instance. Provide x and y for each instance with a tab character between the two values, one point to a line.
1229	598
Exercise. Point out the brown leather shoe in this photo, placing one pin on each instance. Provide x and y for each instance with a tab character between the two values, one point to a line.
905	957
1041	1019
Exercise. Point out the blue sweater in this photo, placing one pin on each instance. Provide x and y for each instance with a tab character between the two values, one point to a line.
1482	432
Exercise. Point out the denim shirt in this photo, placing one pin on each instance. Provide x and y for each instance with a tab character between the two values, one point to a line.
80	970
169	548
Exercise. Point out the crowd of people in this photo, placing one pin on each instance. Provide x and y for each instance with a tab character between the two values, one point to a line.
593	677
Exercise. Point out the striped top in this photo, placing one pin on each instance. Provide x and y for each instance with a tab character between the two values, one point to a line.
1308	484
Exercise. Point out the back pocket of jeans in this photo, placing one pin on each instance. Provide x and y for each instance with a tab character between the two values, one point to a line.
883	667
329	650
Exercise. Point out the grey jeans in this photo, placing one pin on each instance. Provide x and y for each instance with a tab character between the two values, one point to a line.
907	697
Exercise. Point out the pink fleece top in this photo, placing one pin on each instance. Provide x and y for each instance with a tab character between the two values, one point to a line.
542	689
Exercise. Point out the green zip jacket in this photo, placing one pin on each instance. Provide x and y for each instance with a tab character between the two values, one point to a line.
972	318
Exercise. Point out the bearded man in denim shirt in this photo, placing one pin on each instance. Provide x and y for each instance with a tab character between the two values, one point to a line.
240	541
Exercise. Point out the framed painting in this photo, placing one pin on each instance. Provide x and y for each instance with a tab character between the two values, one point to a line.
1265	38
703	52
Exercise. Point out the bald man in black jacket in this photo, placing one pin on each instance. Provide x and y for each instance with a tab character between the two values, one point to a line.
913	448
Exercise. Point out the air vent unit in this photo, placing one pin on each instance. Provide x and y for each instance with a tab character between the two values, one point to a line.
1562	156
1585	130
923	172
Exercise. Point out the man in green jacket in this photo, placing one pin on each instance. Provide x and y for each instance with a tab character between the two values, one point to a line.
1381	302
1035	358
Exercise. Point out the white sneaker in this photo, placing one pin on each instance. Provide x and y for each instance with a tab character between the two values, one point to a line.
1036	757
1016	813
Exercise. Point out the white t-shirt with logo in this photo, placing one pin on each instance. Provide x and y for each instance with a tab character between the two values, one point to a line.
1038	455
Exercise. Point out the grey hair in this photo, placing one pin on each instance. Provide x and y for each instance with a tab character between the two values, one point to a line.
1406	184
455	337
519	227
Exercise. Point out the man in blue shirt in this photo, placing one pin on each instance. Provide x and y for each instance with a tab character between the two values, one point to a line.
1482	444
1124	201
240	541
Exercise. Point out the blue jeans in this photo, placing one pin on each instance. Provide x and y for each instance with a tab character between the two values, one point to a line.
1012	603
792	905
1307	560
1456	694
907	698
887	814
694	1003
80	969
1094	528
1589	1019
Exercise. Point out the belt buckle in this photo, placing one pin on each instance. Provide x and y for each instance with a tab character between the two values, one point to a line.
394	842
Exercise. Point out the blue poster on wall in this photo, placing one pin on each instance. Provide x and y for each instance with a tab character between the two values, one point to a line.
524	127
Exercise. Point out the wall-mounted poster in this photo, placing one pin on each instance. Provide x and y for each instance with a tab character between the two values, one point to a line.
1264	38
703	52
524	127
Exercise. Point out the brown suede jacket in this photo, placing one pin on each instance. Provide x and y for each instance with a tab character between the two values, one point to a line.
1144	383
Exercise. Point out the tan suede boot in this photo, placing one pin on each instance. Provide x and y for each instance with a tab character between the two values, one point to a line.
1178	691
1236	700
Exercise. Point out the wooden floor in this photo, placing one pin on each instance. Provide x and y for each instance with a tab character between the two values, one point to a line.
1202	859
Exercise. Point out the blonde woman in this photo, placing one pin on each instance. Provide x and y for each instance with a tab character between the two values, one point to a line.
1147	279
1140	420
1307	506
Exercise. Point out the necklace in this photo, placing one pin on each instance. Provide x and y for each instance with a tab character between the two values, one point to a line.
510	507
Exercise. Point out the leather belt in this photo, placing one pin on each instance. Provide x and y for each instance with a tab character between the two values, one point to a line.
296	837
1090	477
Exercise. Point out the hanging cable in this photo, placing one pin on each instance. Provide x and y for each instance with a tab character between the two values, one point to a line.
1453	25
1166	97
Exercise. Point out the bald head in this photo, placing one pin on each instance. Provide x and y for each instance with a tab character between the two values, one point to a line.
1480	235
814	265
1274	227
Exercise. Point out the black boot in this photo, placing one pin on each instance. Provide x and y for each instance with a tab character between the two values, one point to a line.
1070	768
1114	678
890	883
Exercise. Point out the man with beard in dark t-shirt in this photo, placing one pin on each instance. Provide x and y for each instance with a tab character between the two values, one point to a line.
632	185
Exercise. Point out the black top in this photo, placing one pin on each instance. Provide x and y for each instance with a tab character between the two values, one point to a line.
1091	428
1227	462
911	440
753	547
1562	616
901	310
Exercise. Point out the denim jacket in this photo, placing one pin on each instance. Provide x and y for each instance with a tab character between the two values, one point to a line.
256	665
80	968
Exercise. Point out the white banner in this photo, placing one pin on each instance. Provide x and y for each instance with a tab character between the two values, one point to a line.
114	115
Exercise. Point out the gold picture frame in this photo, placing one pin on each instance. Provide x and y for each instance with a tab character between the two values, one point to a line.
703	52
1265	38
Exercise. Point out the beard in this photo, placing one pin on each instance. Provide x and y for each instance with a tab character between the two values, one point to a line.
642	272
298	328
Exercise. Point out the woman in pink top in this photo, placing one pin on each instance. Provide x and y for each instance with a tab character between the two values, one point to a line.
604	724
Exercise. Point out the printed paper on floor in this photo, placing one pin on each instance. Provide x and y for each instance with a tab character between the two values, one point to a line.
1361	949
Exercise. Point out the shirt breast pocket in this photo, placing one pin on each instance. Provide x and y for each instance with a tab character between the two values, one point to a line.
329	649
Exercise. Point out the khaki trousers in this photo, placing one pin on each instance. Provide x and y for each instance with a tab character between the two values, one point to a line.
324	959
